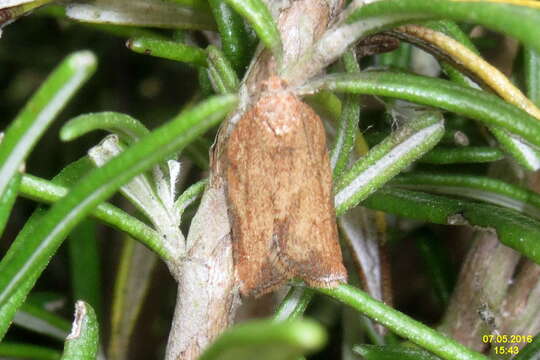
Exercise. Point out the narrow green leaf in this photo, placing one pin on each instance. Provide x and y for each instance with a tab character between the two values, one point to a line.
453	30
190	195
513	20
221	72
102	183
11	10
218	84
364	233
387	159
44	191
369	18
41	321
40	110
391	352
294	304
234	38
468	102
9	308
532	74
513	229
526	155
82	343
168	49
198	4
267	340
436	263
415	205
258	15
84	264
474	187
29	316
350	62
205	85
399	58
348	123
133	278
7	200
126	127
38	321
151	13
531	351
124	31
27	351
46	299
326	104
401	324
469	154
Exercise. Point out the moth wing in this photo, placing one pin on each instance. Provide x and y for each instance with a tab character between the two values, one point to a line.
304	222
250	174
280	198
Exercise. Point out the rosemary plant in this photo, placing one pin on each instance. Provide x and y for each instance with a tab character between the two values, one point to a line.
432	120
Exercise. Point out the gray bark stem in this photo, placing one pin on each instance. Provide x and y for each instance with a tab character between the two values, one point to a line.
206	298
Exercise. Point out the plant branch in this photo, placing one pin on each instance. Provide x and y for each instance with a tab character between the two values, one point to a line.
209	253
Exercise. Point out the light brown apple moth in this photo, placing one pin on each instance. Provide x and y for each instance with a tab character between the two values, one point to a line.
280	196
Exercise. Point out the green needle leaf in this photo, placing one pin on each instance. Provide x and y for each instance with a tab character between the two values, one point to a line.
27	351
369	18
8	199
32	317
436	263
267	340
85	264
151	13
523	153
258	15
294	304
348	123
131	288
532	74
526	155
167	49
10	10
101	183
39	320
127	128
531	351
444	94
481	188
391	352
82	343
469	154
39	112
221	72
513	229
387	159
234	38
44	191
190	195
514	20
401	324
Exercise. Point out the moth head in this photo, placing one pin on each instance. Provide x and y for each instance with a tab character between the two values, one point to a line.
274	84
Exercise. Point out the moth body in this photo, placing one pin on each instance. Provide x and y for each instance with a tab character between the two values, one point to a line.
280	196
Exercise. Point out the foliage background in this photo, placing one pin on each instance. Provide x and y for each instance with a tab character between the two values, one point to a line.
146	88
153	90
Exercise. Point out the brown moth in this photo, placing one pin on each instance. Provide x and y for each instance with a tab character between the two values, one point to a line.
280	196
